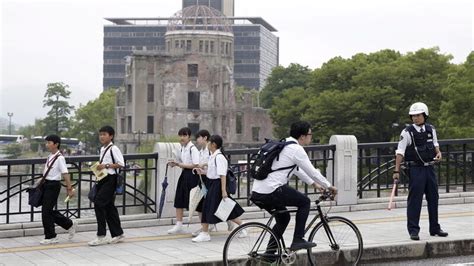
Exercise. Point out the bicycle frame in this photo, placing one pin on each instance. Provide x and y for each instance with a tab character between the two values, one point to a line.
308	227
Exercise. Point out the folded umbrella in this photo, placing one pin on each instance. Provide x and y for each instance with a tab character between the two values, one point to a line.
164	185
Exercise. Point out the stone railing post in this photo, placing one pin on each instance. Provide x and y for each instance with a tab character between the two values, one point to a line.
166	152
345	168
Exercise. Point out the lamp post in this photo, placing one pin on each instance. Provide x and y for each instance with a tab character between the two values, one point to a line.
10	123
139	132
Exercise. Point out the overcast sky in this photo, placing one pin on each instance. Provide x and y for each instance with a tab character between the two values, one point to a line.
62	40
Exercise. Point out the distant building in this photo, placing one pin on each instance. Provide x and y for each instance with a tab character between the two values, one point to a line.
256	48
190	83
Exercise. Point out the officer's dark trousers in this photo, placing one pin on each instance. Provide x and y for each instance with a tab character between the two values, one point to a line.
49	216
422	181
105	211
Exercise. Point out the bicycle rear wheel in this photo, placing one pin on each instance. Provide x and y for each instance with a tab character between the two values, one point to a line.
253	248
346	245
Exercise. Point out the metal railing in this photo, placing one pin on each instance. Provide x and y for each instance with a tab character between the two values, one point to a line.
19	174
377	160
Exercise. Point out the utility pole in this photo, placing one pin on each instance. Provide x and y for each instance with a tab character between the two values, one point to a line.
10	123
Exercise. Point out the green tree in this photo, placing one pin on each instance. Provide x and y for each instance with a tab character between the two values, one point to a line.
283	78
56	98
12	151
457	108
91	117
287	109
38	129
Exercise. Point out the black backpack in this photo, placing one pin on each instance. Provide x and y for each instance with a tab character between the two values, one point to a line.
231	180
263	160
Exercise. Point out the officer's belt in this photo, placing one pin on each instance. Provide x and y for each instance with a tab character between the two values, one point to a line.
412	163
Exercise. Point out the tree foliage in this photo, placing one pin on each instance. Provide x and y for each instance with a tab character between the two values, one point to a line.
368	95
91	117
56	97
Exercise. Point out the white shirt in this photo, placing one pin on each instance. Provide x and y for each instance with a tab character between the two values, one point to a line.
217	165
57	169
189	154
292	154
405	139
204	155
118	157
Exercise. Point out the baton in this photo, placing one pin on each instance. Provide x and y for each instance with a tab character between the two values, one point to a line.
395	182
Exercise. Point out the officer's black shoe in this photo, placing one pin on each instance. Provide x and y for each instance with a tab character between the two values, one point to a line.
300	243
414	237
439	233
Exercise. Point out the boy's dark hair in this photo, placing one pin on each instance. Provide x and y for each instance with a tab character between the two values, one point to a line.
217	140
185	131
108	129
203	133
54	138
299	129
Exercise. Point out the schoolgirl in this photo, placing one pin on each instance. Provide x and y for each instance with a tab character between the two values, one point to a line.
216	173
187	160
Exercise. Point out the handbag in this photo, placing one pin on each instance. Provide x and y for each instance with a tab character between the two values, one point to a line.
35	192
120	188
92	192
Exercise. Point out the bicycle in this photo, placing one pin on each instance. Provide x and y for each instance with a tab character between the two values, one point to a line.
340	236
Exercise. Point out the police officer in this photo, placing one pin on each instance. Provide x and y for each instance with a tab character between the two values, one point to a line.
419	148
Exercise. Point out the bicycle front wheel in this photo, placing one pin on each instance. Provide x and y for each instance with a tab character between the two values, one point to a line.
252	244
341	239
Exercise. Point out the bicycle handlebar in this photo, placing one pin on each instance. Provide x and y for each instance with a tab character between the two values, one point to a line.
325	195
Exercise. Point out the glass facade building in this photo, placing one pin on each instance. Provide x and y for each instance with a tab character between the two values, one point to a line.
255	47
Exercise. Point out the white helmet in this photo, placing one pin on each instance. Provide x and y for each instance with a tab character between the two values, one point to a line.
418	108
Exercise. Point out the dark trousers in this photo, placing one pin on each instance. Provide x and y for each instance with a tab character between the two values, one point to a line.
49	216
422	181
277	201
104	206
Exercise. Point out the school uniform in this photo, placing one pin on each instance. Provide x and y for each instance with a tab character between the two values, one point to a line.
189	154
52	187
204	155
273	193
216	167
104	204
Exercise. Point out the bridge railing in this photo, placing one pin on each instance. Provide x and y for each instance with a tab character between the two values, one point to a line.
377	160
18	174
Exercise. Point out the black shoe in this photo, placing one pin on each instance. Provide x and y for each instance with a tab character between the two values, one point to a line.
414	237
440	233
300	243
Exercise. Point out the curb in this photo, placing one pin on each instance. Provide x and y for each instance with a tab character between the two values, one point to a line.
391	252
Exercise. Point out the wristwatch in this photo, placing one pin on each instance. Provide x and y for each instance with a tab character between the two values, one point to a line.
107	166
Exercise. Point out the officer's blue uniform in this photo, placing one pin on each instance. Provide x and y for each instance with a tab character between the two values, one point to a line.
422	179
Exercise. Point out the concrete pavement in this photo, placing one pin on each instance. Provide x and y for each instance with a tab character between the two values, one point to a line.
384	233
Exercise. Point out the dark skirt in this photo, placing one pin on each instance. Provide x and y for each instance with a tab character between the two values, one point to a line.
212	201
187	180
205	180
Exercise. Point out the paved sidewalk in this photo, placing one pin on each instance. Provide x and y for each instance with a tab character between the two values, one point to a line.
152	246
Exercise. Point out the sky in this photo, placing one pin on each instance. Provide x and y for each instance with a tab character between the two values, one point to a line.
62	40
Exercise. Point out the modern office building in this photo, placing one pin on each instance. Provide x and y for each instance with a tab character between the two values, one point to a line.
255	44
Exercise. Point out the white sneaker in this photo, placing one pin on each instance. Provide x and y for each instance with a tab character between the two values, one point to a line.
230	226
117	239
197	232
72	231
202	237
243	234
100	240
50	241
177	229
